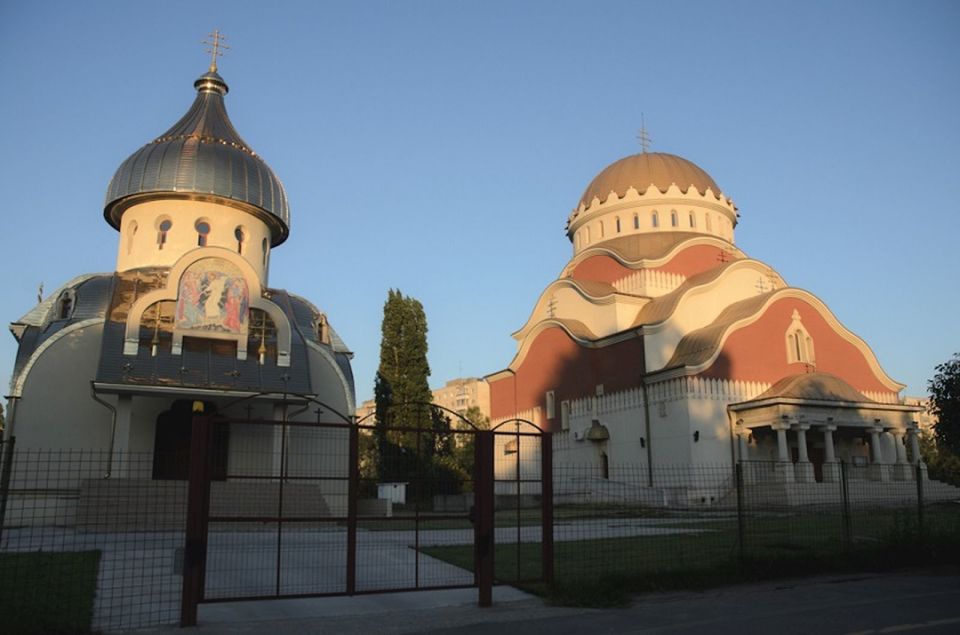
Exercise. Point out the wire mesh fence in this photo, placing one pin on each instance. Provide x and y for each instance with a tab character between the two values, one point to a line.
102	537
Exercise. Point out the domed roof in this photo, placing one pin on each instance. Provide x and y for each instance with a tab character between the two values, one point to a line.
640	171
201	156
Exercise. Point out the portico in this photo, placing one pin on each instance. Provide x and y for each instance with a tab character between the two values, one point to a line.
806	425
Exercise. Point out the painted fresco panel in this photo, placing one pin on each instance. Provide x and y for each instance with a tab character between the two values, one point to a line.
213	297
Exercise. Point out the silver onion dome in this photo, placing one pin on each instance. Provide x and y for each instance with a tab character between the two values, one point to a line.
201	157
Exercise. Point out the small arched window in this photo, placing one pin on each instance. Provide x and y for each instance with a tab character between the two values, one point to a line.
266	249
65	304
636	221
241	237
707	219
163	229
203	231
618	224
601	229
693	220
799	342
587	235
654	219
576	240
673	218
130	235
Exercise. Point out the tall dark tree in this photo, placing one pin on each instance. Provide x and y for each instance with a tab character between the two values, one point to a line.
401	384
945	404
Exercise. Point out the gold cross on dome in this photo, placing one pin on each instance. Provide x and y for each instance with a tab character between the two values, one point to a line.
215	46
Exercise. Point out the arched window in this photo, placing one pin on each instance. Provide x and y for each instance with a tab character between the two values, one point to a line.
130	234
588	235
654	219
203	231
601	229
576	240
266	250
65	304
241	237
707	219
673	218
164	225
618	224
799	342
693	220
636	221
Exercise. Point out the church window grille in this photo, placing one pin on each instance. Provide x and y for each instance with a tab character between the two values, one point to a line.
673	218
655	219
163	229
203	231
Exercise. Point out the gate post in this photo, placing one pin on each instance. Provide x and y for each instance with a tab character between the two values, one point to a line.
484	513
198	509
353	491
546	495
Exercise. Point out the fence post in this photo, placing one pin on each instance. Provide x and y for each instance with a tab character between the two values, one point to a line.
845	502
483	504
198	507
7	462
546	494
920	519
353	491
738	475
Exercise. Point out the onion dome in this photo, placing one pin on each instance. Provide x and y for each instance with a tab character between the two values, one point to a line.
203	158
640	171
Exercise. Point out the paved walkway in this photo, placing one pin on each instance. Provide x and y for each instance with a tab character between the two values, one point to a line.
926	603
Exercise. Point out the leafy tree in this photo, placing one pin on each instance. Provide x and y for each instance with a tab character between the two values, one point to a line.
945	404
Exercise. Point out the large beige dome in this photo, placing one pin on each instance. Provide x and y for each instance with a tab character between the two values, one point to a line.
640	171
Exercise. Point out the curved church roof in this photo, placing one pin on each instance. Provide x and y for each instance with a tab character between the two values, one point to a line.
640	171
817	386
201	156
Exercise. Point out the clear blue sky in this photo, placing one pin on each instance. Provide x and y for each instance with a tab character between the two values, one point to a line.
437	147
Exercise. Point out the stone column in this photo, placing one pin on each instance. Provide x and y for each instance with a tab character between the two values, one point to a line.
784	468
803	468
901	470
743	454
831	469
915	458
877	468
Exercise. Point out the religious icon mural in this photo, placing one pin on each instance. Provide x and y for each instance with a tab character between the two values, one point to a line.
213	296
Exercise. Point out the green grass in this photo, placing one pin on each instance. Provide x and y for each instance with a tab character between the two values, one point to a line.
604	571
47	593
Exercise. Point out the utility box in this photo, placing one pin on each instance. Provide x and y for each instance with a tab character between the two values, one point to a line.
396	493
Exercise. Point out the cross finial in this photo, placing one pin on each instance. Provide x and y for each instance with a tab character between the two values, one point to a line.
643	137
215	47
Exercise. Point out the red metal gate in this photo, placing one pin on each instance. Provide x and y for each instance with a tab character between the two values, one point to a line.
344	507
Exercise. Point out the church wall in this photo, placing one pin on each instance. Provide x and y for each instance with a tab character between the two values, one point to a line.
601	268
693	260
554	361
56	410
757	352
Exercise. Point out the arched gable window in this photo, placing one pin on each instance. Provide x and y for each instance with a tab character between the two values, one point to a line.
799	342
654	219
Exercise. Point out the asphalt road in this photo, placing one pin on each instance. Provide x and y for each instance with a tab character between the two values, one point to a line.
924	602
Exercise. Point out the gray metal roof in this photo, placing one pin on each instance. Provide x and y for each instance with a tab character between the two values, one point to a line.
202	155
